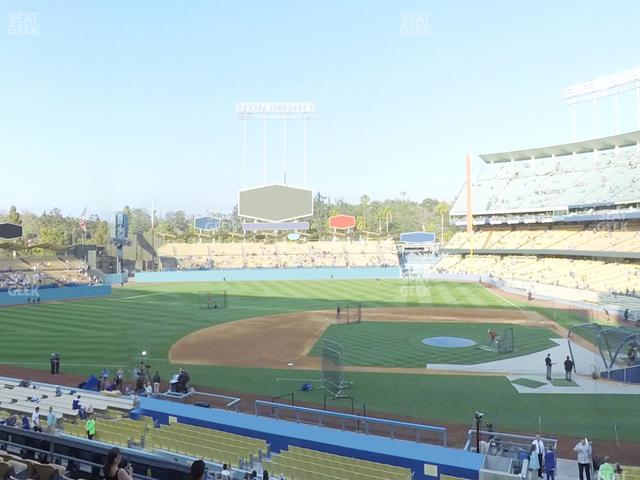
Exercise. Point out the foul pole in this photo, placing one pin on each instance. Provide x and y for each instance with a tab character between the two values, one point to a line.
469	200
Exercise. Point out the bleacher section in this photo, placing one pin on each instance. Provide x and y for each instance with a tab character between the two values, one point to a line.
26	271
577	239
620	279
555	183
280	254
23	400
305	464
197	442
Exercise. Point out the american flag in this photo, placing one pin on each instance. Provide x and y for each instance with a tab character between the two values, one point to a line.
83	220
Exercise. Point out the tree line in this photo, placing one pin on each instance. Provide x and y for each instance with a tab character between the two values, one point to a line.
386	219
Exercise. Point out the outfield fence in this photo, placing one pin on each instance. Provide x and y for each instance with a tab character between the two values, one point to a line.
358	423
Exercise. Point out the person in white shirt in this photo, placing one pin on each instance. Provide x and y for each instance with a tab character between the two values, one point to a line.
583	449
539	446
35	420
225	474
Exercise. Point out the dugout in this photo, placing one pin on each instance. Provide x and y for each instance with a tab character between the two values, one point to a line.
616	348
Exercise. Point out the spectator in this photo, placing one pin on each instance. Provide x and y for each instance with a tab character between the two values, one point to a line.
618	470
58	391
148	390
568	368
583	449
75	405
156	383
534	462
119	379
225	474
538	444
550	464
56	363
112	469
606	470
198	470
35	420
51	421
11	420
90	426
138	376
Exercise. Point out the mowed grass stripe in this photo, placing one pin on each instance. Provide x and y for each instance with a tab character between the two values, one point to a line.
104	331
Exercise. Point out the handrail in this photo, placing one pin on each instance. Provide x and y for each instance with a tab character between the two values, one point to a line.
348	416
54	455
232	401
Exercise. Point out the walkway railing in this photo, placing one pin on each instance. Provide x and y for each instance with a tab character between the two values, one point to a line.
347	421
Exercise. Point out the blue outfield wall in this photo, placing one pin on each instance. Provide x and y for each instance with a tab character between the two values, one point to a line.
54	294
282	433
235	275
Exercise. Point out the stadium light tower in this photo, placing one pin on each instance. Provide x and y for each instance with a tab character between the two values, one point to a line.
599	88
274	111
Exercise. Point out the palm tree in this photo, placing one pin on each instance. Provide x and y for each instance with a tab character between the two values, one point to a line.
364	201
386	214
443	209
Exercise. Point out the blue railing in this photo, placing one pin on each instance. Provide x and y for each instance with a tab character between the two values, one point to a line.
362	422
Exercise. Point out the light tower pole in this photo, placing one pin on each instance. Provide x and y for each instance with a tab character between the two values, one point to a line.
266	111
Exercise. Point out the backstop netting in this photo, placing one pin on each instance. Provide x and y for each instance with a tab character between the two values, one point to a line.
499	342
332	373
212	300
506	341
349	312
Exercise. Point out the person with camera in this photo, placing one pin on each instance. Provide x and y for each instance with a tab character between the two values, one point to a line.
583	449
112	469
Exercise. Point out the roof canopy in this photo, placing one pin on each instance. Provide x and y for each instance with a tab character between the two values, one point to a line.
604	143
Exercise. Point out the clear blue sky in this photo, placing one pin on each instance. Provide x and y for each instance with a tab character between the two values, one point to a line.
115	103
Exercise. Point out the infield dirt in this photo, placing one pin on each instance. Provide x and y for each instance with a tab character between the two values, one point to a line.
284	341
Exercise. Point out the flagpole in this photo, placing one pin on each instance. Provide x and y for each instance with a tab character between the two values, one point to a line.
153	236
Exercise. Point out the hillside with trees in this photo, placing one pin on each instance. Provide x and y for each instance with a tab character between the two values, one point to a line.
384	219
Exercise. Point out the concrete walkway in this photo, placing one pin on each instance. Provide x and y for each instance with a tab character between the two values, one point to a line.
532	367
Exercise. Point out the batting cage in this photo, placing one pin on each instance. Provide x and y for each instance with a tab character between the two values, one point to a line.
212	300
332	374
611	352
349	312
499	342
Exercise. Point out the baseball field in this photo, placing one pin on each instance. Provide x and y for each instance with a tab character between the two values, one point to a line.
266	342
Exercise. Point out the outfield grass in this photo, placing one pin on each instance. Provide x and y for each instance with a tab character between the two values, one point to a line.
399	344
113	331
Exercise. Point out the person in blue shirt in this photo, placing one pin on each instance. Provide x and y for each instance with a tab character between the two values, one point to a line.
550	464
534	462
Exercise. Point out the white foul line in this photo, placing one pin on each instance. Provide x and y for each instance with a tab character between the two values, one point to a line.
142	296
